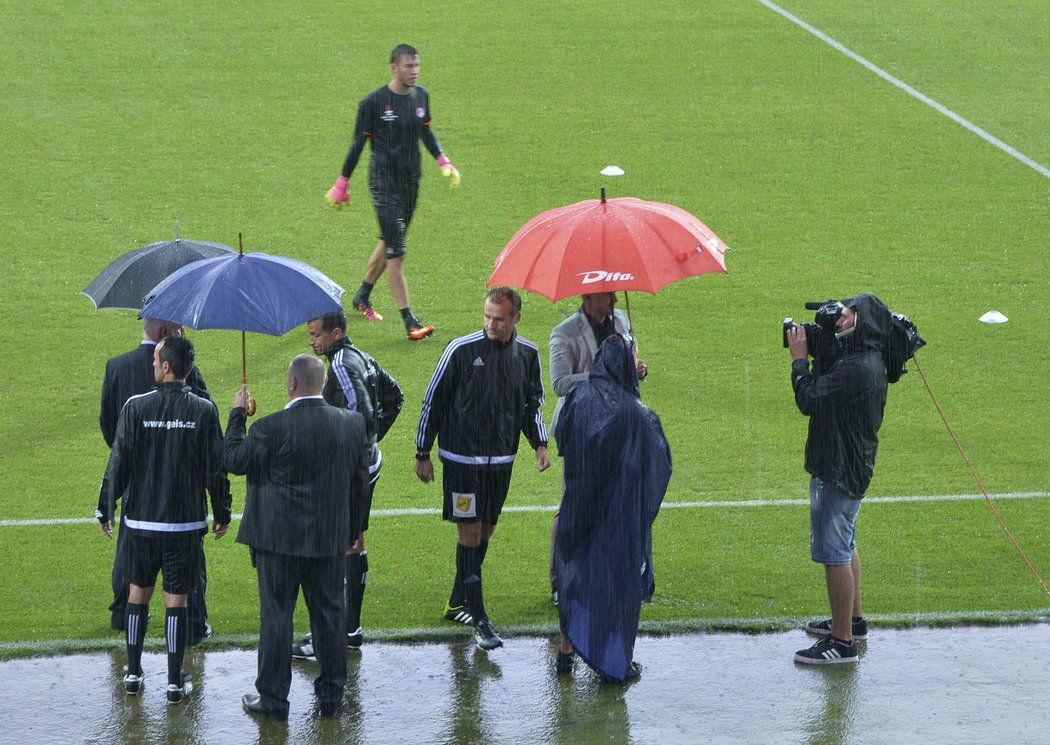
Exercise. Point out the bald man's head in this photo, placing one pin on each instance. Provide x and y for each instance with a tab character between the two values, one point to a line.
305	376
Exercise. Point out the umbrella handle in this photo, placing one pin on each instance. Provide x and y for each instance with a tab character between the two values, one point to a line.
250	408
244	362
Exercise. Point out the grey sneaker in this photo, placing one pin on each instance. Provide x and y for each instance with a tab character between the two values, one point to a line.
178	692
828	651
133	684
486	637
823	628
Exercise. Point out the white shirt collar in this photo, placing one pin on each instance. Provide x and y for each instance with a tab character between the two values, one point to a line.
292	403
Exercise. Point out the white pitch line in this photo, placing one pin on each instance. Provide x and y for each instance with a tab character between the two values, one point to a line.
737	503
984	135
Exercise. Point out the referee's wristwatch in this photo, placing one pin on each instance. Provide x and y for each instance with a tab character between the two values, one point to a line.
422	455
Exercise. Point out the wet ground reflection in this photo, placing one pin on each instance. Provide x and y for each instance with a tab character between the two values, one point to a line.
948	685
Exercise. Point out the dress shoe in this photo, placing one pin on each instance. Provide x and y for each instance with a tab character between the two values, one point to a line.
253	704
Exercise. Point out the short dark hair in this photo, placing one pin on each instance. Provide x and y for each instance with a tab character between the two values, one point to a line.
501	294
403	50
334	320
178	352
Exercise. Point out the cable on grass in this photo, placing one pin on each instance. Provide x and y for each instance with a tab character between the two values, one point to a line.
973	472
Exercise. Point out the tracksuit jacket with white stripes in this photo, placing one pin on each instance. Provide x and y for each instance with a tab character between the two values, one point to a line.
483	396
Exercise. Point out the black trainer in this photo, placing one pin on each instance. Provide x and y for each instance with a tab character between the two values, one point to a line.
459	614
563	664
196	637
823	628
356	639
634	671
486	637
304	650
178	692
828	651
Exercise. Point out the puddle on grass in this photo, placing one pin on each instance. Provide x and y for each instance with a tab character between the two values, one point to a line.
946	685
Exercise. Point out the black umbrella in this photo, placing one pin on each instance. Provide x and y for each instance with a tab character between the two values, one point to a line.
125	282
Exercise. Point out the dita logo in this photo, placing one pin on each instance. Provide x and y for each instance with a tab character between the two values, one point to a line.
600	275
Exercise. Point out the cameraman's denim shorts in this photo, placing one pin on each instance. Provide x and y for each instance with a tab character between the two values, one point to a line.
832	523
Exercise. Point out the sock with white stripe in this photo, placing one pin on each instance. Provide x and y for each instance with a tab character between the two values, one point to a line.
136	616
175	633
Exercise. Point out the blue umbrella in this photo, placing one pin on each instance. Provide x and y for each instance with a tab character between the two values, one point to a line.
244	292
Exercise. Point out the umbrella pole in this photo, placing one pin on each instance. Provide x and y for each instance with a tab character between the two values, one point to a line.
244	354
244	374
630	321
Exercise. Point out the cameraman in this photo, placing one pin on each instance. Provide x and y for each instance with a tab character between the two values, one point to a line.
845	406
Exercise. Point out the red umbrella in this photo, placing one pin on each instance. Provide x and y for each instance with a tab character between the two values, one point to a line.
605	246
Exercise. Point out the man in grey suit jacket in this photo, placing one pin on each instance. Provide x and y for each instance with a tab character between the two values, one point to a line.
307	469
573	345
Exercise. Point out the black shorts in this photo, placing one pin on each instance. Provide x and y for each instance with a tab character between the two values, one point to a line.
174	555
474	493
394	208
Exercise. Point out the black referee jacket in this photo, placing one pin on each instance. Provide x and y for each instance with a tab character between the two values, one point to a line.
483	396
167	451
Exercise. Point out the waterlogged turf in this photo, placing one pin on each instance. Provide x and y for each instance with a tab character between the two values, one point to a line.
122	121
949	685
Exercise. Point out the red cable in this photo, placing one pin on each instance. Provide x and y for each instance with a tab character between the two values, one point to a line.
977	478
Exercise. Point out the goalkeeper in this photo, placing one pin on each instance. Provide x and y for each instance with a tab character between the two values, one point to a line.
394	118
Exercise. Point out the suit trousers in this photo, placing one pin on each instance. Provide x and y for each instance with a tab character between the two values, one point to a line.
321	580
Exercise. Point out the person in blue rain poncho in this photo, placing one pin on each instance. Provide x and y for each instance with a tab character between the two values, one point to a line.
617	467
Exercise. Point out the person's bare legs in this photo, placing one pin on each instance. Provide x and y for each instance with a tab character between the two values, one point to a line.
376	264
841	596
398	285
858	610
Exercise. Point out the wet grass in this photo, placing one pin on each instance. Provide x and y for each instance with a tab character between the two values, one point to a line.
823	179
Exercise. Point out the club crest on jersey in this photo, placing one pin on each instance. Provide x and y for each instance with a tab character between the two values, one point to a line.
389	115
421	113
600	275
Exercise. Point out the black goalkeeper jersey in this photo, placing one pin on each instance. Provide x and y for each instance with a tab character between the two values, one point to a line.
395	124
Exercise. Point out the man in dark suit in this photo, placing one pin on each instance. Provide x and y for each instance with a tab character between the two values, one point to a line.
128	375
307	469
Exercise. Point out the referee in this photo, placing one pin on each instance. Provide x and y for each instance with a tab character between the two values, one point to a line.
486	392
167	451
394	118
